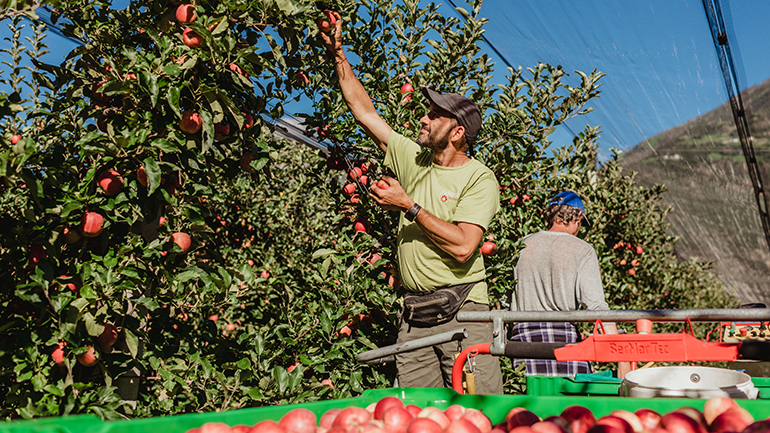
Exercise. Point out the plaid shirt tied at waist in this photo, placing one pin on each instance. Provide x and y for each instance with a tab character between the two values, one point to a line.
556	332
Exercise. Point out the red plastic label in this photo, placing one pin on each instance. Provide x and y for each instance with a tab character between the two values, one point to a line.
644	348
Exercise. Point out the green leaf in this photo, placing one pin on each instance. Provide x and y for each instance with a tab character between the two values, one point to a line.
132	342
255	393
173	100
243	364
94	329
165	145
281	378
152	169
323	252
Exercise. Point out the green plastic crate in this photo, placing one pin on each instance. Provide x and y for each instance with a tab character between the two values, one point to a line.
593	385
495	406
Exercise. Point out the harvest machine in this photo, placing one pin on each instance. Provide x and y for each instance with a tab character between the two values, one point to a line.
745	337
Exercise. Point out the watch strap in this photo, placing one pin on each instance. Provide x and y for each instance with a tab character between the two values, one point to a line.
411	214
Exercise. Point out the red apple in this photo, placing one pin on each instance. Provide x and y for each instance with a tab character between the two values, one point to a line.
413	409
298	421
355	173
108	337
522	429
185	14
386	403
605	428
36	254
245	162
191	122
479	419
649	418
548	427
238	70
248	120
715	406
89	358
70	235
58	353
488	248
331	17
265	274
91	225
617	422
436	415
632	272
355	198
221	130
141	176
215	427
423	425
372	260
574	413
182	240
522	418
395	418
630	417
110	182
15	139
462	425
349	188
191	39
334	162
735	419
678	422
758	427
240	428
454	412
693	413
407	87
639	250
513	412
351	417
301	78
361	225
267	426
364	179
328	417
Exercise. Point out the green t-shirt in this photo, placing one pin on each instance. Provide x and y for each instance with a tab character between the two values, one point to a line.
468	193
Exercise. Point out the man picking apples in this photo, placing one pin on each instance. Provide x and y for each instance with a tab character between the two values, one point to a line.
448	199
557	271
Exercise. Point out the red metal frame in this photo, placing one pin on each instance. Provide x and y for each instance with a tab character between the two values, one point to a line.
602	347
457	368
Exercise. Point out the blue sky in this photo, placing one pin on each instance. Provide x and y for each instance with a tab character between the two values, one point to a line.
660	61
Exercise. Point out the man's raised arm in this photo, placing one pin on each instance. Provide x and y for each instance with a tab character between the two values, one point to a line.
358	101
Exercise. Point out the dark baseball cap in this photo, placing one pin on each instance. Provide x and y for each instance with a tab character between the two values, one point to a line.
569	198
463	109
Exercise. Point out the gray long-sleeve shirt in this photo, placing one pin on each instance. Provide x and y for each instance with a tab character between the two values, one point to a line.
558	272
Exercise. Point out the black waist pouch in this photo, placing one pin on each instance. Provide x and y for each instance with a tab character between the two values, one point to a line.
434	308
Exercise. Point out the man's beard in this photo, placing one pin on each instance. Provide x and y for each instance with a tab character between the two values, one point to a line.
430	141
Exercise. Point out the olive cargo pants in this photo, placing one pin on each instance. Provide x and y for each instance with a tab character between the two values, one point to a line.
431	367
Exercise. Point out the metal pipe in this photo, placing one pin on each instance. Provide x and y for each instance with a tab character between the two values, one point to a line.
699	315
406	346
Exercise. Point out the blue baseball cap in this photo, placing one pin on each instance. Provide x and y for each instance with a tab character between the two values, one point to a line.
569	198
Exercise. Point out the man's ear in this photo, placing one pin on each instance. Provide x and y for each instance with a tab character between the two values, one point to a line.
457	135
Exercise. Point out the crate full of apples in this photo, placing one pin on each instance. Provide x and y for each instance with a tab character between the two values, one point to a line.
391	415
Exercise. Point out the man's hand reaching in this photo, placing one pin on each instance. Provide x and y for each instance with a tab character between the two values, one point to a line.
331	30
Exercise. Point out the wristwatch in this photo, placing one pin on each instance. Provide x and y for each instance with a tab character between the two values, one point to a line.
411	214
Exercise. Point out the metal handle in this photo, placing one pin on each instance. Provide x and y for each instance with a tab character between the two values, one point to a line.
375	356
700	315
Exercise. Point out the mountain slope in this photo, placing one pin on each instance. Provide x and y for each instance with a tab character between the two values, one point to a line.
714	211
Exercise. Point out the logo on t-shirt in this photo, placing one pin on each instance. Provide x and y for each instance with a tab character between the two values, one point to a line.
449	195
